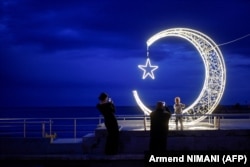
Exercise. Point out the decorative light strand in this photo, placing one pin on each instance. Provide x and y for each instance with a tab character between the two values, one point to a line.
237	39
146	71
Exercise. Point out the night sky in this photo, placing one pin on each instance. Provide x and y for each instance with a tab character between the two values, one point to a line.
66	52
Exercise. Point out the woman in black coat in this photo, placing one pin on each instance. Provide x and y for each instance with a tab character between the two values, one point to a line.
159	128
107	109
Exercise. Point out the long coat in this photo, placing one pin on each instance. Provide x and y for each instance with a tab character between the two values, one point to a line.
159	130
112	141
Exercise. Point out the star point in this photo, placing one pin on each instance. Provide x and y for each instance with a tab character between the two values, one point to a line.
148	69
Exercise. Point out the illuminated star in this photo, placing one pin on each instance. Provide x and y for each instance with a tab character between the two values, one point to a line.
148	69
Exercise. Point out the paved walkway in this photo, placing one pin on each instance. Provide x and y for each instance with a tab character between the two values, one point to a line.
223	124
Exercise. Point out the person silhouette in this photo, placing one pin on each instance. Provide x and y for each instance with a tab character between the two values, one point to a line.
159	120
107	109
178	106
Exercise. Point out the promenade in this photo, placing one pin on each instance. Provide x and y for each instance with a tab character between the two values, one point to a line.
231	135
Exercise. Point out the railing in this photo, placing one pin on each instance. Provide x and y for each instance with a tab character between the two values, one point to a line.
78	127
48	127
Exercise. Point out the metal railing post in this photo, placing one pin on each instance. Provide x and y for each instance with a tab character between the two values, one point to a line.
24	128
50	127
216	120
219	123
145	123
43	129
74	128
100	121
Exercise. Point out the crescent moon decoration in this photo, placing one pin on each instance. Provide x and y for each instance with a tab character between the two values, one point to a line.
215	73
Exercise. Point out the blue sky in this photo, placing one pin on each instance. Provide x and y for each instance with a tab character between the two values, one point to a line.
64	53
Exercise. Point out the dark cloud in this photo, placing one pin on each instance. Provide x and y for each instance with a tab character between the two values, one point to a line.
73	24
75	44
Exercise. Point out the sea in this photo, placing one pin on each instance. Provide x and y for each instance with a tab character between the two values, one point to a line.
62	111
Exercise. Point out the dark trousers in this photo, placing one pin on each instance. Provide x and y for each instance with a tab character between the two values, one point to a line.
112	142
158	144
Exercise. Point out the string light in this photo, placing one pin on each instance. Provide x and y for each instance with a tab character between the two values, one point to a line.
234	40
